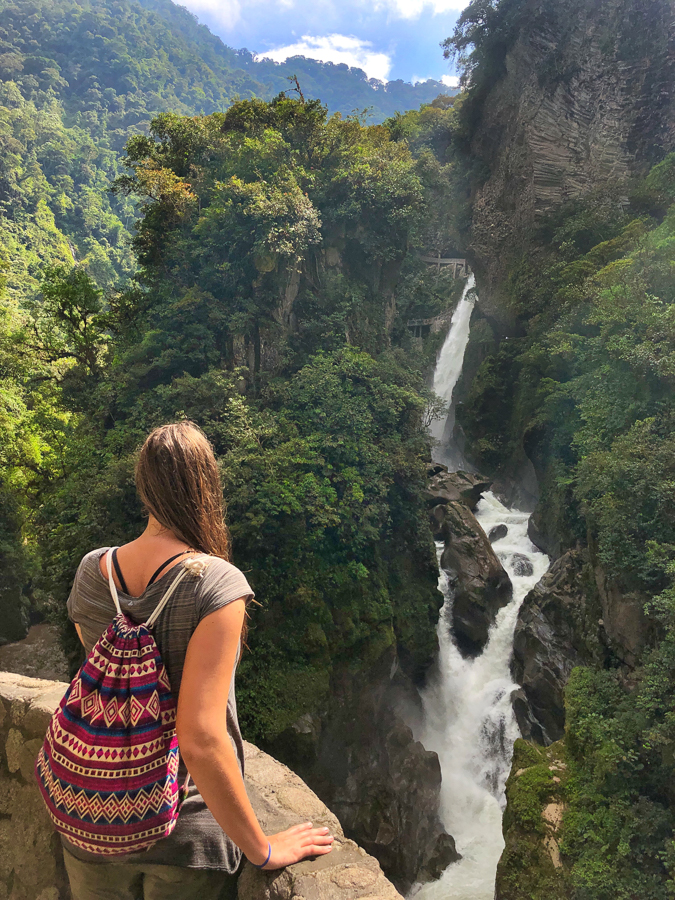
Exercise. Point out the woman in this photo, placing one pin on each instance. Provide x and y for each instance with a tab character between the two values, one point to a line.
199	638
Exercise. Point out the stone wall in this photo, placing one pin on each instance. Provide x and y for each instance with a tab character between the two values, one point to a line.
31	866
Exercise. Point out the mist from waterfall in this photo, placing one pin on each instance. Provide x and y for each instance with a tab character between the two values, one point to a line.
468	718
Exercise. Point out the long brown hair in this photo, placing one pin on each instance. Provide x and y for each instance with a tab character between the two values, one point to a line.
178	482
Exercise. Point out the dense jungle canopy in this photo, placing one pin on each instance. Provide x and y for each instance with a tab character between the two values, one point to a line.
265	295
275	279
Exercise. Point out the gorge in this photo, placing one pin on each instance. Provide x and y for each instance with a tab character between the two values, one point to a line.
277	265
467	714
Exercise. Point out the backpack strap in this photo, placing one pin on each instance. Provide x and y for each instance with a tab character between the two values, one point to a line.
167	596
120	577
165	599
111	580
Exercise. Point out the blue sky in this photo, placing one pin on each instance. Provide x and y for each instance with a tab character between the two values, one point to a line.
387	38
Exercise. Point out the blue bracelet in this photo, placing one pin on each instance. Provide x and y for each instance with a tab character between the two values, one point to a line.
262	865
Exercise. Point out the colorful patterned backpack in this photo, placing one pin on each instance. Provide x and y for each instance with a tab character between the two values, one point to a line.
108	768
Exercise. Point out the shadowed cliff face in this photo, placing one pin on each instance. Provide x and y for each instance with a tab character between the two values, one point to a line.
584	100
363	761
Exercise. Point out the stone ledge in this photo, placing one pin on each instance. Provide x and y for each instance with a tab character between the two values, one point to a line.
31	866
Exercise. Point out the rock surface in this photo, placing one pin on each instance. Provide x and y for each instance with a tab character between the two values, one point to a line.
573	109
31	865
575	616
38	655
531	866
481	585
446	487
497	532
362	760
557	629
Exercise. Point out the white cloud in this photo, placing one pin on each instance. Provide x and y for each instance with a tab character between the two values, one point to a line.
226	12
451	81
336	48
413	9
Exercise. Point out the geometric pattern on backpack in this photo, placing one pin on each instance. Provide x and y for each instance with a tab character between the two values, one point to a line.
108	768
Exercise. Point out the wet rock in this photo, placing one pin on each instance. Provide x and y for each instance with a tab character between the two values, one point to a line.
497	532
575	616
529	727
557	629
442	855
542	535
481	585
446	486
522	566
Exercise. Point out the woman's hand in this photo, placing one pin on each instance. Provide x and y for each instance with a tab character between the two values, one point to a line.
297	843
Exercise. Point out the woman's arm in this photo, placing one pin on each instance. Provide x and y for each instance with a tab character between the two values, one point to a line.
207	749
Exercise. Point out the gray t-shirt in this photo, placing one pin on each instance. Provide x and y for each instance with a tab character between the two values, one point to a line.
197	841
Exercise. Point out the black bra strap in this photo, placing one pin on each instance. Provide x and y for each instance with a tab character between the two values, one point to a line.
120	577
166	563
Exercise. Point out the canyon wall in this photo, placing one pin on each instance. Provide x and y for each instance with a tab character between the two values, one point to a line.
584	101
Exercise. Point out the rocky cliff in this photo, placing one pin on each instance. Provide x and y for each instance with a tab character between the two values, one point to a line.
360	757
531	866
582	100
31	864
559	627
358	753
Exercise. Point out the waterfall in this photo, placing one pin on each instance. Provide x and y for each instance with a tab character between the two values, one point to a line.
447	372
468	718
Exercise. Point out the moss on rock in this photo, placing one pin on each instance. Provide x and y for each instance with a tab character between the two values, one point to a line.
531	867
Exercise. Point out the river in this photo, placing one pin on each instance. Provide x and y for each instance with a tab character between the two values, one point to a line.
468	717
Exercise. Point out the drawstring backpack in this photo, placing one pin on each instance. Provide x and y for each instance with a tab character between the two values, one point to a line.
108	768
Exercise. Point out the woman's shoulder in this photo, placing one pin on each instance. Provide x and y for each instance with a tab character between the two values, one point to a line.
91	559
224	580
220	569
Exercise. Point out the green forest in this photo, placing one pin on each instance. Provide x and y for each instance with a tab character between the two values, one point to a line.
257	203
77	80
273	271
217	243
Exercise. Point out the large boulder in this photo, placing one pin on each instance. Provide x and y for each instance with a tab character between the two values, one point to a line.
447	487
559	627
480	583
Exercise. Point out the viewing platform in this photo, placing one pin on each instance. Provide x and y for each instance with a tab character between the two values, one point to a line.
31	860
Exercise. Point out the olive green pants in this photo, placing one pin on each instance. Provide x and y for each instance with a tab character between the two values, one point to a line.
121	881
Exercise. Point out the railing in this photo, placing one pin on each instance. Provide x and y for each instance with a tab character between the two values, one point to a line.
460	266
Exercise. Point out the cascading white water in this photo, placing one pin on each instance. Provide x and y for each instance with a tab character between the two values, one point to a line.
447	372
469	721
468	717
